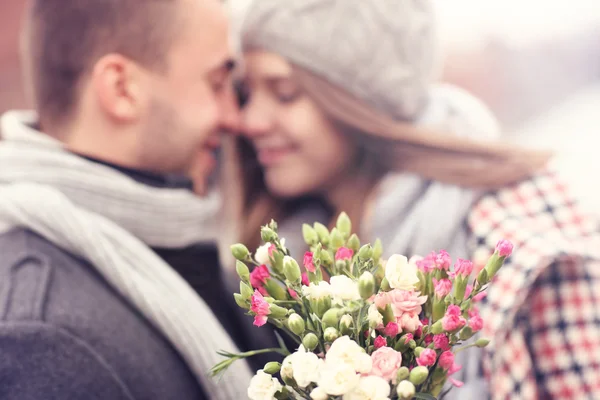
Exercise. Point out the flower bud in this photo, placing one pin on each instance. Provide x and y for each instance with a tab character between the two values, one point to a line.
245	291
418	351
240	301
278	261
320	305
272	367
336	239
385	285
240	252
418	375
331	317
346	324
330	334
242	271
354	242
310	341
405	390
310	235
439	308
377	249
483	277
388	314
322	233
365	252
344	225
493	265
402	374
291	270
276	311
275	290
466	333
482	342
267	234
437	328
366	285
296	324
326	258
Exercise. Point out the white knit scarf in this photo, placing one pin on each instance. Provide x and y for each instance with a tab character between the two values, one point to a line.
110	220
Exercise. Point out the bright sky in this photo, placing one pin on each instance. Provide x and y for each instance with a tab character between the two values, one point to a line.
518	22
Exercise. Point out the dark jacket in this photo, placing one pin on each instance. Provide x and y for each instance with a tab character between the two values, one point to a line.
65	334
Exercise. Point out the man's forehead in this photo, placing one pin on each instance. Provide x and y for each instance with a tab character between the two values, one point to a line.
206	33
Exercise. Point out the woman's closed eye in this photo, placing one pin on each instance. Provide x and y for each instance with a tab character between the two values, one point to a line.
285	90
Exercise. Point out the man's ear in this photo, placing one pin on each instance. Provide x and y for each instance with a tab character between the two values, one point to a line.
117	84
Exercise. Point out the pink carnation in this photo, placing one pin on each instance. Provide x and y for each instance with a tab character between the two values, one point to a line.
427	264
453	319
428	339
386	362
446	360
260	307
475	321
305	280
463	268
427	358
293	293
443	287
406	307
380	342
447	363
443	260
308	261
259	276
504	248
391	329
344	253
381	300
271	249
408	338
441	342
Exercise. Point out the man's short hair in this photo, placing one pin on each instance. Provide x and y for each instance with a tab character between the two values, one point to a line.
63	39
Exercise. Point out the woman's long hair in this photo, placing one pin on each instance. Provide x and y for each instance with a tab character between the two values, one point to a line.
387	145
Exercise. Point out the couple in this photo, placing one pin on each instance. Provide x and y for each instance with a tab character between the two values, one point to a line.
111	288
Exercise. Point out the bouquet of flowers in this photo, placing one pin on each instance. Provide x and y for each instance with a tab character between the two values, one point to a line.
366	328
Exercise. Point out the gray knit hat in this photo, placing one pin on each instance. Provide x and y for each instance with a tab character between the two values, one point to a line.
382	51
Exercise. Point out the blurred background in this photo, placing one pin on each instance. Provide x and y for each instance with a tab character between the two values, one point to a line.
535	63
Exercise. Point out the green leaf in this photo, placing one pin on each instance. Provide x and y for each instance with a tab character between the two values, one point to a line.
424	396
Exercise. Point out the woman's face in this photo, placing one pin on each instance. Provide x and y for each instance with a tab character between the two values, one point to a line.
298	148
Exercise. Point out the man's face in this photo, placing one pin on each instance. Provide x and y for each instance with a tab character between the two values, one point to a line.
193	101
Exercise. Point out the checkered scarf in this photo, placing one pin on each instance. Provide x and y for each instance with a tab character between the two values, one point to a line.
543	309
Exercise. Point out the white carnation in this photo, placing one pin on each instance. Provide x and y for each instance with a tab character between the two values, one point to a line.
319	291
262	254
346	351
400	273
263	386
369	388
318	394
306	366
338	378
374	317
344	288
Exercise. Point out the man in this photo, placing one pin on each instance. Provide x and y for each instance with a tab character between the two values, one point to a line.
95	219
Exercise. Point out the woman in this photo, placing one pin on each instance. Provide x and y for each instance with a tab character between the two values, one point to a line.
342	112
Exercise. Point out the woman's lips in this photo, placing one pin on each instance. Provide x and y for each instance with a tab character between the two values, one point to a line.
274	155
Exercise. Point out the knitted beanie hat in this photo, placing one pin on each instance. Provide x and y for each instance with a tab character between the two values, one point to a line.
382	51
